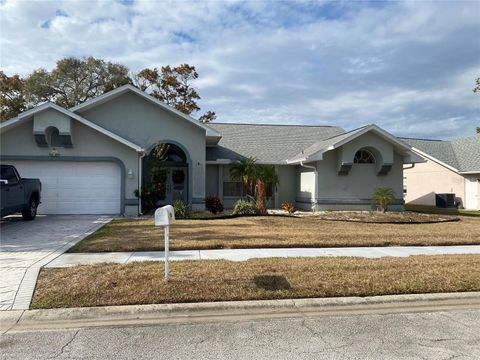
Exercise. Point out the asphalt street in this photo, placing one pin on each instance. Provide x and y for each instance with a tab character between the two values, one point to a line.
400	335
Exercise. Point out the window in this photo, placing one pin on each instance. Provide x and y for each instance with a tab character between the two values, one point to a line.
53	137
7	173
231	186
364	156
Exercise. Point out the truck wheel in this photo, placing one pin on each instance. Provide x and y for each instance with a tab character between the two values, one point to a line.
31	211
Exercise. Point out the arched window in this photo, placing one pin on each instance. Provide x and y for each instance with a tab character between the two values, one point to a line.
53	136
169	153
363	156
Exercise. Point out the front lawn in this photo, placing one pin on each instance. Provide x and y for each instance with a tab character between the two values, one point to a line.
274	232
220	280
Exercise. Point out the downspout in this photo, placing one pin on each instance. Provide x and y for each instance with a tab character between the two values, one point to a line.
406	168
314	168
140	175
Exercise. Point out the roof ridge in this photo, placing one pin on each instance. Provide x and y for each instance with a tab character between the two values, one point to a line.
422	139
346	132
299	125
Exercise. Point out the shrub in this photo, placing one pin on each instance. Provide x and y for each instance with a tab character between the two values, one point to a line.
288	207
243	207
213	204
182	210
383	196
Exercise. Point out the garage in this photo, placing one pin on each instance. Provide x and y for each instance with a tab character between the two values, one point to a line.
75	187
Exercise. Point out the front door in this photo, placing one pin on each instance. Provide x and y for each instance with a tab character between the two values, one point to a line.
176	188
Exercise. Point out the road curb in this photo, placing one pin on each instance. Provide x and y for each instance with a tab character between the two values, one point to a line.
70	317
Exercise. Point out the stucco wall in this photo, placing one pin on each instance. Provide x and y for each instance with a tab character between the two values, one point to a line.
146	125
87	143
51	117
287	184
381	149
354	190
426	179
211	180
360	181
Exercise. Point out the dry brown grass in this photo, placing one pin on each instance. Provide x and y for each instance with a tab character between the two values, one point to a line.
219	280
274	232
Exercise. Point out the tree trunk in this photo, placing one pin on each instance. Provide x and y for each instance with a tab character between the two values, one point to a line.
261	198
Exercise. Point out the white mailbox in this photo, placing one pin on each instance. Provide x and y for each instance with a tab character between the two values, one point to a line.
164	216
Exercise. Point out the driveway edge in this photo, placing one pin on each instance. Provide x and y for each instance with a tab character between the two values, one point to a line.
26	288
165	313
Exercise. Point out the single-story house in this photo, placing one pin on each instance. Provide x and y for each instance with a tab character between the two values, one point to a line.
451	167
91	158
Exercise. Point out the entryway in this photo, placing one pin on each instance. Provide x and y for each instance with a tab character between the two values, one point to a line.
166	172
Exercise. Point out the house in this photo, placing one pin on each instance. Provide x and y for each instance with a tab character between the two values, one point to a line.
91	158
451	167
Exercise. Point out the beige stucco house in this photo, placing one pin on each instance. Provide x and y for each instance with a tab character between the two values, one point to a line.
91	158
450	167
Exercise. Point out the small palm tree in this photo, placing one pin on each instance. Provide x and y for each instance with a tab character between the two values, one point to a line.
244	169
383	196
264	175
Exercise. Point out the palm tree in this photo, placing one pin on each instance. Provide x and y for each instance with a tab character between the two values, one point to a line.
244	169
264	175
383	196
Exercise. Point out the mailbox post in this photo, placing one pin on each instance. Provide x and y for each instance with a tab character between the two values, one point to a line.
165	216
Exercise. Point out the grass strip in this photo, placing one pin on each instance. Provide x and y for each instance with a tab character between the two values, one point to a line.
276	278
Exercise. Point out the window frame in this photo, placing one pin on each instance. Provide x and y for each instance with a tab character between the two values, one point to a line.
360	158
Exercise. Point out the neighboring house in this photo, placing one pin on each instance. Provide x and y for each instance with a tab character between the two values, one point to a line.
450	167
91	158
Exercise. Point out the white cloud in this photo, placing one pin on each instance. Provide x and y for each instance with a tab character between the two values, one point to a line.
409	67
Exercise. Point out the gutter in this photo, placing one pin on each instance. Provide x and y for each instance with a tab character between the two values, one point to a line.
469	172
314	168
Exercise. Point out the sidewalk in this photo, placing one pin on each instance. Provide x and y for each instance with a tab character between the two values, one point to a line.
72	259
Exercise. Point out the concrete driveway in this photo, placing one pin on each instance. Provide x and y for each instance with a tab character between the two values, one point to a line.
25	246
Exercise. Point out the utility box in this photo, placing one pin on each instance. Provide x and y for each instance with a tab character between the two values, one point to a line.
164	216
446	200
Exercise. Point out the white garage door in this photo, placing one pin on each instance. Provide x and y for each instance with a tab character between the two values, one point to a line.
75	187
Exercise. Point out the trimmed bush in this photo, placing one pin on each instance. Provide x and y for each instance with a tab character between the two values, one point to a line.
243	207
213	204
182	210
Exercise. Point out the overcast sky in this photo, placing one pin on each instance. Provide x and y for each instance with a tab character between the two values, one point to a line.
406	66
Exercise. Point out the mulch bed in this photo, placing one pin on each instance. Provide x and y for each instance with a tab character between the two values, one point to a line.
376	217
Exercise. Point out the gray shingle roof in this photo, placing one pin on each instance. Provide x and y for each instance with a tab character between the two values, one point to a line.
312	149
272	144
467	150
462	154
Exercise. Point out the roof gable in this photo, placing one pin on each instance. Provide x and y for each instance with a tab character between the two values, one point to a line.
132	89
26	115
316	151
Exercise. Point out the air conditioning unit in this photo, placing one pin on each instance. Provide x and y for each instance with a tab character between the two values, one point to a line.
446	200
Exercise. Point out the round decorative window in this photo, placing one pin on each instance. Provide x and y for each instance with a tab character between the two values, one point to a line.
364	156
178	176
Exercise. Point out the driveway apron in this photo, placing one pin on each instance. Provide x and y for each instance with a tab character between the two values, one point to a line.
25	246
